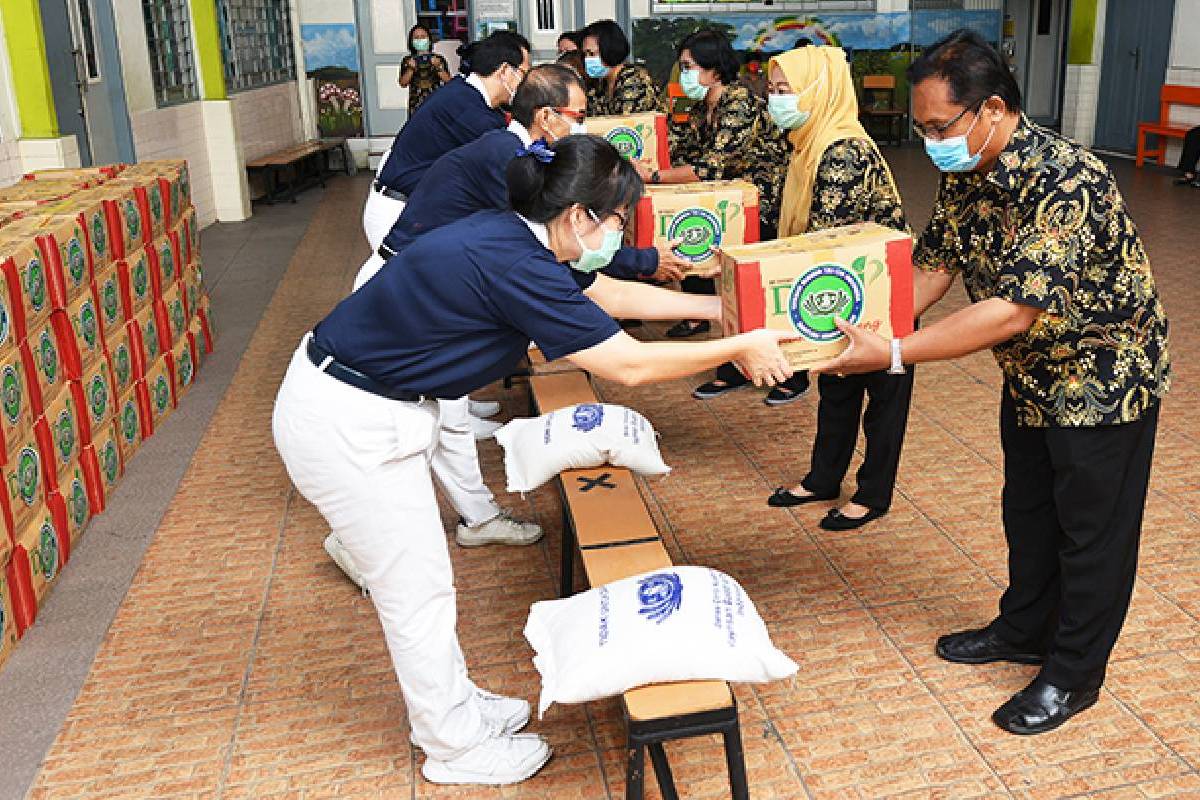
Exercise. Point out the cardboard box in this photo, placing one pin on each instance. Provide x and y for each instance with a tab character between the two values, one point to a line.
9	634
861	273
24	484
172	175
102	466
192	282
60	438
189	236
27	284
122	360
205	337
27	195
96	397
70	507
81	174
44	367
160	393
20	588
64	246
88	209
137	286
147	336
131	421
183	366
44	551
636	136
164	263
107	287
175	312
149	195
16	405
703	217
80	336
125	229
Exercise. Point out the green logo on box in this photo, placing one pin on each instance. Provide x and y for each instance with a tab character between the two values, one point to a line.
64	436
48	551
133	223
141	279
129	421
88	327
699	234
48	354
186	368
121	363
99	233
79	503
167	259
156	208
628	141
110	462
10	386
35	284
5	326
162	394
98	397
27	475
825	293
178	318
76	261
110	302
150	334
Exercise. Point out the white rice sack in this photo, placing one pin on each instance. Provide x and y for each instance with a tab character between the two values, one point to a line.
676	624
576	437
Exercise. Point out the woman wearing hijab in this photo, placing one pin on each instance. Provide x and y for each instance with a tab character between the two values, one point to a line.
837	177
421	71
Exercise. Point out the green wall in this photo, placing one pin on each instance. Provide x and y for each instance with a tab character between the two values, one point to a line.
30	72
1083	32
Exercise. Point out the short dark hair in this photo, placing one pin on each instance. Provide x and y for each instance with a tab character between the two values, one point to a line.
614	46
971	66
488	55
547	85
711	49
574	37
414	29
586	170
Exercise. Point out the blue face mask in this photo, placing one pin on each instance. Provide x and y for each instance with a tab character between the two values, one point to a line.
592	260
595	67
689	80
783	111
953	154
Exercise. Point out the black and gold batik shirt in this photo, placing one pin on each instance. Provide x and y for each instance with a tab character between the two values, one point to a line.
427	77
1048	228
740	143
852	185
634	92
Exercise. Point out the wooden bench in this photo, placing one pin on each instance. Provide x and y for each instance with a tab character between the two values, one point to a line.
605	518
1171	95
303	165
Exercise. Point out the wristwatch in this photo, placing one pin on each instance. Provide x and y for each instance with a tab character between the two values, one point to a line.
897	367
654	177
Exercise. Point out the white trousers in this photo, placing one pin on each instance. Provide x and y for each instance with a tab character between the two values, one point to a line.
379	215
455	459
363	461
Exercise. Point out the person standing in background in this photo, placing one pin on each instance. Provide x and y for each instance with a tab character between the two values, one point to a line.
1188	159
421	71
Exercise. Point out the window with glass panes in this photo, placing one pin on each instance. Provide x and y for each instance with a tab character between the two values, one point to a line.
169	39
256	43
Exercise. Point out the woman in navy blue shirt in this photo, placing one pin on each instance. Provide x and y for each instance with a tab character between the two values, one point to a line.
355	418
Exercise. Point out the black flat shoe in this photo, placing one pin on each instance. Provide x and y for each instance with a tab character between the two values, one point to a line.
835	520
1183	181
1041	707
983	646
707	391
684	329
782	498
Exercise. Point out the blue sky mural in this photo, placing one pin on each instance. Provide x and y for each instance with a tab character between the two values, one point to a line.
329	45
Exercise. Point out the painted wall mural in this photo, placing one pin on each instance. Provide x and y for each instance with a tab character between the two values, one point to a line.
331	63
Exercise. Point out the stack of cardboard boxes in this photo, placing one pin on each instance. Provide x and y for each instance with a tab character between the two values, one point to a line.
103	322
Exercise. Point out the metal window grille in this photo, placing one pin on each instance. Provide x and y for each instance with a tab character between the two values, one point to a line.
256	43
545	15
88	36
169	39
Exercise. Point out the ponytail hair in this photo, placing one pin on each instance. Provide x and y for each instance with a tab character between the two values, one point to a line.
584	170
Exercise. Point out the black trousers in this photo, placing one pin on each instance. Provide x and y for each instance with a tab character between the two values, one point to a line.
883	424
1072	503
1191	151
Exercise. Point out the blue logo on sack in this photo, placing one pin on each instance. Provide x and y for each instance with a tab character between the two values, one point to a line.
588	416
660	595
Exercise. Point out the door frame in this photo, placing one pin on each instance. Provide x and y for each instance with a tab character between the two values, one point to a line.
1108	64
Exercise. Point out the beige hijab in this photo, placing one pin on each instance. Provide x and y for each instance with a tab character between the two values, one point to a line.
821	78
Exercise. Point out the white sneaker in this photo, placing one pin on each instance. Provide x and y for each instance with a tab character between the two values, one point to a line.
483	408
505	715
337	551
494	762
484	428
500	529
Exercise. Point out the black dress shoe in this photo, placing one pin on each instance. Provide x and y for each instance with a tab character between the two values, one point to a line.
686	328
782	498
983	646
1042	706
835	520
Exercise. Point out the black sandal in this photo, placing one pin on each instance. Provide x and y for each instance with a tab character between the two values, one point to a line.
686	328
835	520
782	498
790	390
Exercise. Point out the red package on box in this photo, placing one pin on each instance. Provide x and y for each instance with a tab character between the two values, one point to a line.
60	438
44	368
9	632
102	466
16	403
25	274
80	340
68	258
70	506
24	485
40	554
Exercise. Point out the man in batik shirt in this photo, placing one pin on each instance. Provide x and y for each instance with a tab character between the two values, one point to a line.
1062	292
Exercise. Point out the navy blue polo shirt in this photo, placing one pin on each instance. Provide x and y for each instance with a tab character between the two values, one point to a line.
452	116
456	309
473	178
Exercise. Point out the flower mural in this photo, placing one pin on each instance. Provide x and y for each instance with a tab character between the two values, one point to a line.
339	105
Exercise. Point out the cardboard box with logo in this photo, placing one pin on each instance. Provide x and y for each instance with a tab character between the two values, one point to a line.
860	273
164	263
636	136
16	405
8	618
172	177
80	336
96	398
131	422
60	438
102	466
174	313
137	285
44	551
28	290
160	393
123	361
69	505
44	367
24	484
108	294
702	217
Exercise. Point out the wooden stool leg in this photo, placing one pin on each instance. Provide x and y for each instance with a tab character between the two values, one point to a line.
662	771
735	760
635	773
567	575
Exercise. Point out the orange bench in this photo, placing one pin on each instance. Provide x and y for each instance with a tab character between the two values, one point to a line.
1171	95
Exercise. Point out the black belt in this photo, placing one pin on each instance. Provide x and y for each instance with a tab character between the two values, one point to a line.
327	364
385	252
388	191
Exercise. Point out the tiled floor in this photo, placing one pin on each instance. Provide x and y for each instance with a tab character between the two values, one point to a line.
241	664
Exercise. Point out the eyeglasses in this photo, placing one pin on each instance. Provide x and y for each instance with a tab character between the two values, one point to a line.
684	66
620	217
938	132
570	113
